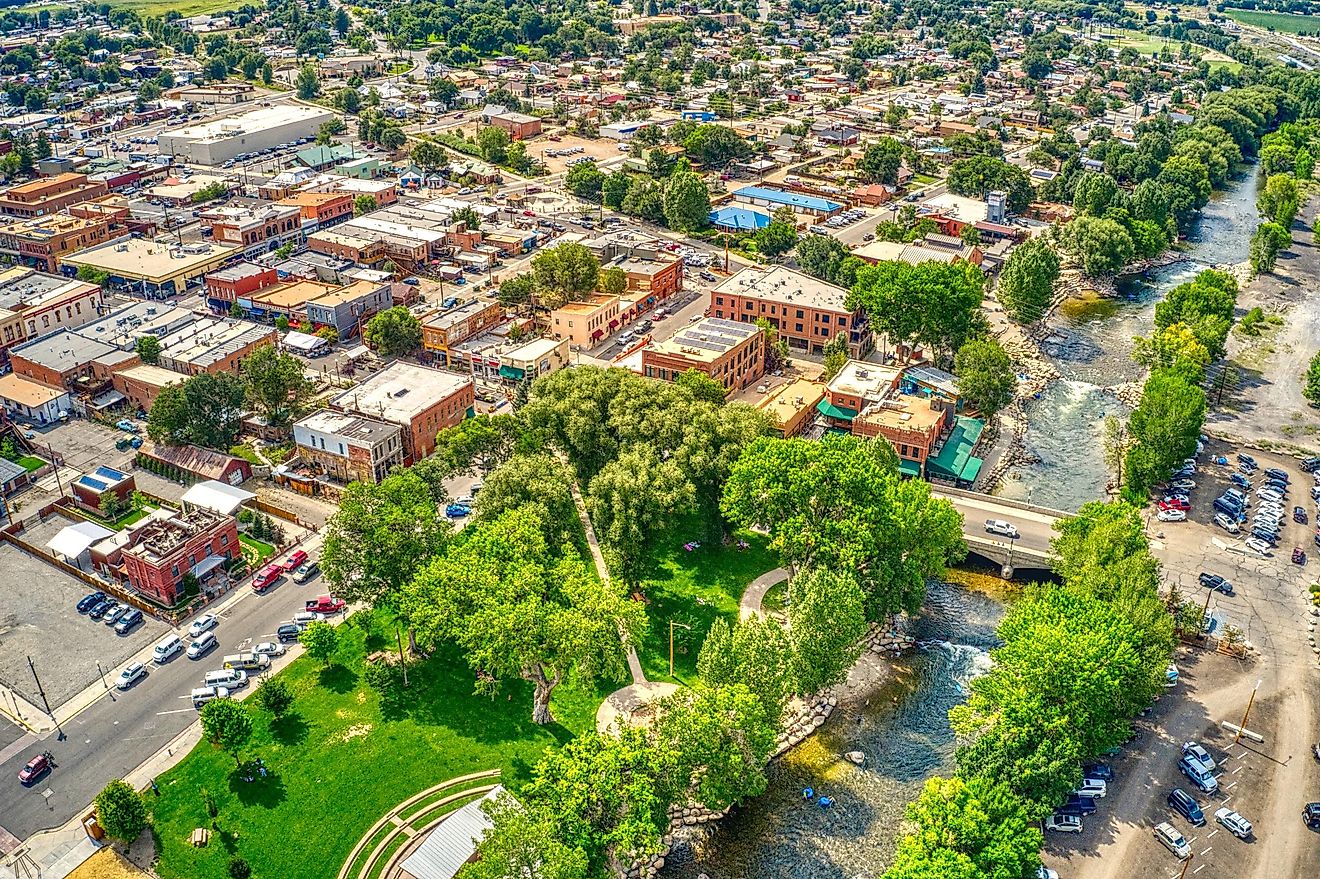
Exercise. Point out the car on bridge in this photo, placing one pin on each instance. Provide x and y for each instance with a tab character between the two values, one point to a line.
1002	528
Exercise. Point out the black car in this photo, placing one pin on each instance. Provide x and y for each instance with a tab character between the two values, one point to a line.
90	601
1299	515
1244	458
1280	487
1311	815
1277	475
1216	582
287	632
1310	465
1102	771
1270	537
1078	805
1239	480
1181	802
1229	507
101	607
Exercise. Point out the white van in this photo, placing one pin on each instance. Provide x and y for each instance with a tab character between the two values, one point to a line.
201	645
1002	528
202	695
233	678
302	618
166	649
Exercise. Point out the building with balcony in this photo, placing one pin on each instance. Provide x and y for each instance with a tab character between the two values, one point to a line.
731	353
347	447
806	311
160	554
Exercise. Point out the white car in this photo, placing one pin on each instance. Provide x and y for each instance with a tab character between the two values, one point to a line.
1227	524
1182	484
203	623
1269	494
1172	516
1255	544
131	674
1172	840
1046	873
1233	823
1198	751
269	648
1092	787
1063	823
1002	528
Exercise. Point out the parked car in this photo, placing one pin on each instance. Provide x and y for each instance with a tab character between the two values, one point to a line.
1172	840
1092	787
1198	774
1078	805
1060	823
166	649
128	621
1182	802
1255	544
90	601
1244	458
266	578
1175	502
1276	473
1002	528
1102	771
201	645
269	648
324	604
35	768
1228	507
1182	484
1044	872
306	571
1298	556
1215	582
1310	465
131	674
287	632
204	623
293	561
1233	822
1299	515
1240	481
1269	494
1171	516
102	608
114	614
457	511
1228	524
1311	815
1265	535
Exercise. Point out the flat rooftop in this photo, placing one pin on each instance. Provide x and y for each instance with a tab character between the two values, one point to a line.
708	339
868	381
253	121
349	426
143	259
401	391
784	403
63	351
783	285
24	288
443	320
124	326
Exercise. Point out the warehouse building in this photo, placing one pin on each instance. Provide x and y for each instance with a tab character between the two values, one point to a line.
212	143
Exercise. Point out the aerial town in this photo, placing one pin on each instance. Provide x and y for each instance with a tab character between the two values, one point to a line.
652	439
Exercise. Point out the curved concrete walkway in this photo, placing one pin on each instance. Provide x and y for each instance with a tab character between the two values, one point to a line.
629	705
750	604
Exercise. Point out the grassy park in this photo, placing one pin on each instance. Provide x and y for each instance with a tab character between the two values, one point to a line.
1281	22
342	758
693	588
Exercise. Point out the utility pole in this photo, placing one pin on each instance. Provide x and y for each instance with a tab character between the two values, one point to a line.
671	643
1243	725
1187	863
403	662
54	465
41	692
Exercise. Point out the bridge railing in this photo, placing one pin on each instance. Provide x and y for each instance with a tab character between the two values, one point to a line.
999	501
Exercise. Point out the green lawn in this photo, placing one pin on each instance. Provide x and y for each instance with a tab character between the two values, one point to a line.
925	179
1282	22
247	453
692	588
186	8
30	463
341	760
257	551
122	522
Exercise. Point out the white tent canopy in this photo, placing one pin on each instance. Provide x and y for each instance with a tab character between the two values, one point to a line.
452	843
218	496
304	343
74	540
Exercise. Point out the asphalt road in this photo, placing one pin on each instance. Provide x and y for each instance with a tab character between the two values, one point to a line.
1035	529
122	729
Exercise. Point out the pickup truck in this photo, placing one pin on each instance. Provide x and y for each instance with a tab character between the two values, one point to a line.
324	604
266	578
1002	528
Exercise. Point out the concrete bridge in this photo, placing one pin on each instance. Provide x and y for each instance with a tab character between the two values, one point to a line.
1035	525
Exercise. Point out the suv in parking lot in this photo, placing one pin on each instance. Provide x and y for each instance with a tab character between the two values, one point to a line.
1198	774
1172	840
1182	802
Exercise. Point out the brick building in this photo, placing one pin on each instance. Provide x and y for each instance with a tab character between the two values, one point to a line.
421	400
49	195
807	312
39	242
255	229
240	280
348	447
731	353
448	328
141	384
161	553
519	125
321	208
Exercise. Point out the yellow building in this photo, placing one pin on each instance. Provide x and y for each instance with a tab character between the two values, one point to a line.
585	323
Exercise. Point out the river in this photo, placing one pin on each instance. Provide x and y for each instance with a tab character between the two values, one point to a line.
1091	345
902	727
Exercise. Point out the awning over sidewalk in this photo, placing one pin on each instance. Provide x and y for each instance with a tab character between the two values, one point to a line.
825	407
207	565
955	460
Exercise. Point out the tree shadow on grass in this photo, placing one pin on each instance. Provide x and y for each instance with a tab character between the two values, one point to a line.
267	792
338	678
291	729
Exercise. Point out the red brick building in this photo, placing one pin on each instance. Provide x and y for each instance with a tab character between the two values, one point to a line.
321	207
519	125
239	281
196	541
49	195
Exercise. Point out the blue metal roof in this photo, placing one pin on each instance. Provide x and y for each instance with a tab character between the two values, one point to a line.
739	218
794	199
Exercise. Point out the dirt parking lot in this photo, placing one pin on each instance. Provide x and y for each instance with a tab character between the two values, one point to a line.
38	619
540	147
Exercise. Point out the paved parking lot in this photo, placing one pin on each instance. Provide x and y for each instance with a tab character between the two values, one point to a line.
38	619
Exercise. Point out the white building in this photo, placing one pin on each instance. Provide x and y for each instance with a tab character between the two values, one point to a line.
211	143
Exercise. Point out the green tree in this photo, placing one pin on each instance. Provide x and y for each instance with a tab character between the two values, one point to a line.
1174	347
380	536
275	696
1311	389
1266	243
539	481
307	85
1278	201
702	386
754	653
826	257
517	291
967	828
723	738
517	608
614	281
227	725
827	621
364	204
686	202
882	159
1095	193
282	323
148	348
986	378
1115	445
633	500
429	155
566	272
1165	427
836	355
477	444
121	812
614	189
1026	283
321	640
934	304
585	181
840	504
468	216
276	385
393	332
776	239
493	142
979	175
1205	305
715	146
1102	246
525	842
207	410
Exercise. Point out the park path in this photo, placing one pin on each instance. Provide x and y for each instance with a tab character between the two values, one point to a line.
750	604
634	664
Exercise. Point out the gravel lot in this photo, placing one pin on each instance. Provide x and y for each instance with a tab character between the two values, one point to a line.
38	619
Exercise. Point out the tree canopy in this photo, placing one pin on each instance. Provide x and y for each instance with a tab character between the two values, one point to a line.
393	332
206	409
986	378
1026	282
276	386
932	304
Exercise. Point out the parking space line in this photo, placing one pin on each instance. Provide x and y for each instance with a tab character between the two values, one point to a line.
175	710
1239	769
1200	868
1207	851
1212	832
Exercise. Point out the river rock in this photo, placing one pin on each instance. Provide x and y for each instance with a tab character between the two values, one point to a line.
659	864
856	757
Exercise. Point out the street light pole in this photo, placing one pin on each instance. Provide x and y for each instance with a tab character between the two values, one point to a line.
45	701
1187	863
671	643
1237	738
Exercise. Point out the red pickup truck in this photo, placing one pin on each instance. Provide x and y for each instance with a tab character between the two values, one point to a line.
325	604
266	578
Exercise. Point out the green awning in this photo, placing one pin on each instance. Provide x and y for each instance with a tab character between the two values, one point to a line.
825	407
909	468
512	372
955	460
